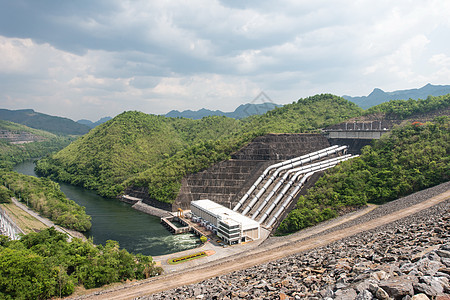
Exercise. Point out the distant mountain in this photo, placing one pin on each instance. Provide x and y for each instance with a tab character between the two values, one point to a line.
379	96
243	111
30	118
94	124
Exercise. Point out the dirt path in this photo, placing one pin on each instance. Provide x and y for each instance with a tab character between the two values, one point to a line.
257	256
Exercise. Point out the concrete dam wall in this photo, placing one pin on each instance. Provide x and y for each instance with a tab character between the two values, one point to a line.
227	181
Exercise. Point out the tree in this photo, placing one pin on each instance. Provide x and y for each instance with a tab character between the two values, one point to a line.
5	195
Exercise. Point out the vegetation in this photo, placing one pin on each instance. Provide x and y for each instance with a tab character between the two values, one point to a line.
44	265
57	125
11	154
402	109
45	197
135	149
5	194
174	261
409	159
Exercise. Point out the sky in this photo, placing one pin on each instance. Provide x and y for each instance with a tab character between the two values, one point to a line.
87	59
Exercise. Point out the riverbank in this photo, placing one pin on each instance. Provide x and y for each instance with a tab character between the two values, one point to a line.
46	222
136	231
150	210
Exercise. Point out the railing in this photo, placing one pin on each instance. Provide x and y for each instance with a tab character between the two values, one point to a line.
8	227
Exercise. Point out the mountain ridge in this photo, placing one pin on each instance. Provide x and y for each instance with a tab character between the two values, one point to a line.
242	111
378	96
91	124
37	120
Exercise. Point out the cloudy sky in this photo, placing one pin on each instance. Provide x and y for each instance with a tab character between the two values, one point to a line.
89	59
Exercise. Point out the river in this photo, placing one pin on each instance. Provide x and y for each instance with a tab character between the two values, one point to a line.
115	220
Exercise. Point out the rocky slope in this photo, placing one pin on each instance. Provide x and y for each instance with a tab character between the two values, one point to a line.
406	259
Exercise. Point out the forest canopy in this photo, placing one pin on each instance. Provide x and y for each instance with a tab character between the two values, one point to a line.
45	265
44	196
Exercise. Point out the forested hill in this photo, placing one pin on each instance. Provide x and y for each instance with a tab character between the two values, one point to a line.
139	149
57	125
19	142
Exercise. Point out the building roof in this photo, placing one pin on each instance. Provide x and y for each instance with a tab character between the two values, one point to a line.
225	213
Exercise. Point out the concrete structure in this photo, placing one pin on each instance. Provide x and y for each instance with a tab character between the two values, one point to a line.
356	134
232	227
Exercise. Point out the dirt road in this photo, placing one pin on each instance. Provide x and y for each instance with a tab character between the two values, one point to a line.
257	256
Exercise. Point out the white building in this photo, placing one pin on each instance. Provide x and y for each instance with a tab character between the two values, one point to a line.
232	227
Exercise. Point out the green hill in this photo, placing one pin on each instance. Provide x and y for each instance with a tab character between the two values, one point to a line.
57	125
126	145
15	127
138	149
43	144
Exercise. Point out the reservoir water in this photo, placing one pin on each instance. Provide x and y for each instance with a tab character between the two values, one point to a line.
114	220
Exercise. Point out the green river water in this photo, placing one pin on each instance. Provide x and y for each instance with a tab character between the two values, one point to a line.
114	220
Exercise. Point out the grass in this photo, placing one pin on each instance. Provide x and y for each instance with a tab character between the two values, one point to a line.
26	222
177	260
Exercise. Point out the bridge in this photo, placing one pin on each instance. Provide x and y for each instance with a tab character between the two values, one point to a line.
367	130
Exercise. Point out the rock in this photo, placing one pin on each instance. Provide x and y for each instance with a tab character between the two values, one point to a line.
434	256
445	261
398	288
345	294
441	274
270	288
429	290
426	266
283	296
420	297
378	292
443	253
379	275
242	294
197	291
388	259
326	293
364	295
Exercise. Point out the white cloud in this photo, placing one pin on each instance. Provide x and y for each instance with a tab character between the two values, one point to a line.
87	61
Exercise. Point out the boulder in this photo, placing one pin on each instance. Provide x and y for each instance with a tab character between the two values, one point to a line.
398	288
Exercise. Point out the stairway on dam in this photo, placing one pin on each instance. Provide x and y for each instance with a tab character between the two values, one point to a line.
227	181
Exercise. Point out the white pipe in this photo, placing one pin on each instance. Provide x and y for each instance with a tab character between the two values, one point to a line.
274	166
294	192
290	165
297	171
